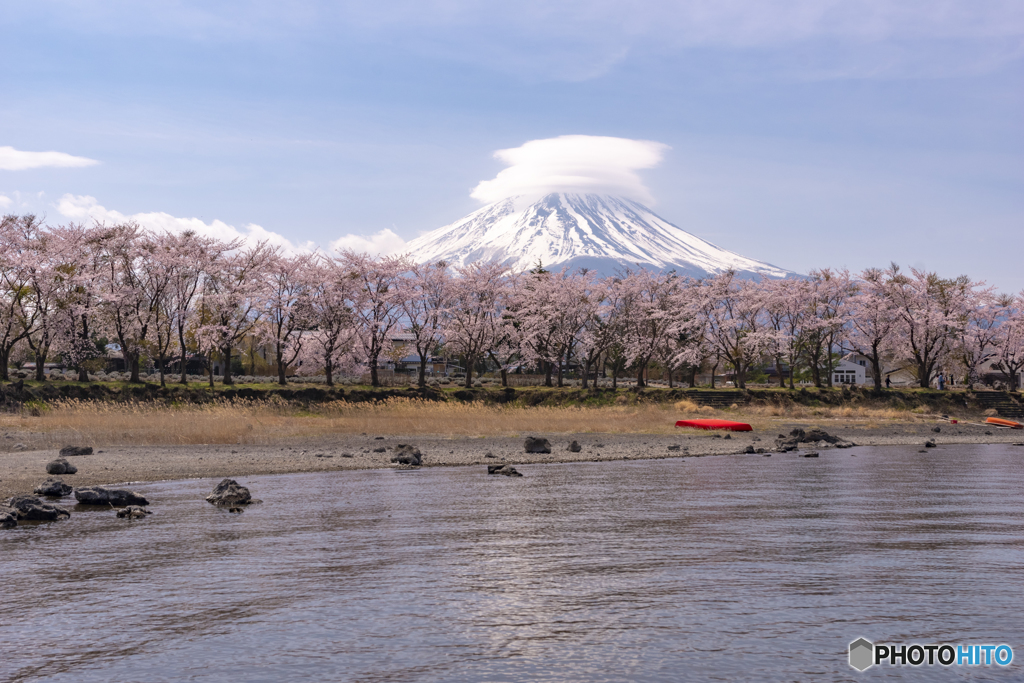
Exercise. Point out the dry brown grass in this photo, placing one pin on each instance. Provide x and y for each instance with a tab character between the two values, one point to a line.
101	423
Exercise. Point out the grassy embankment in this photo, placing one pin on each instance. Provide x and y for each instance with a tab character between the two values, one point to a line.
121	414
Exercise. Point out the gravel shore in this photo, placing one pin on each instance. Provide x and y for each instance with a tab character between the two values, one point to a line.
21	471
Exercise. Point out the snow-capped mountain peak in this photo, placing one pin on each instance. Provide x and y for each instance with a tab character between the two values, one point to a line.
578	230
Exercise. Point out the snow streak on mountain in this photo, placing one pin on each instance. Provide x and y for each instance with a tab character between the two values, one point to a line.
579	230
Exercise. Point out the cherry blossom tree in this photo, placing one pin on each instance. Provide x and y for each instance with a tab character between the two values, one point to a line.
872	320
425	300
334	295
983	313
17	259
233	301
1009	340
288	314
928	311
469	327
736	331
380	310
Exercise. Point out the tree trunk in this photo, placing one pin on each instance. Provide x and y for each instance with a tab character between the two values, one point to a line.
924	376
40	365
469	371
670	384
504	376
559	372
227	365
184	363
135	369
778	368
586	372
547	373
374	377
161	362
4	357
209	365
615	378
423	372
693	376
714	369
640	375
329	371
279	350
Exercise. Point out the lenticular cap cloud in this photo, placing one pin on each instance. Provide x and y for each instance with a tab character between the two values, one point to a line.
573	163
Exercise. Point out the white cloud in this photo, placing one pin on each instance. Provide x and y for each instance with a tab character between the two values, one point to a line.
84	208
16	160
573	163
5	201
382	243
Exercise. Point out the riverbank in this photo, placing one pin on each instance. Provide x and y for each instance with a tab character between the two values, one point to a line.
22	470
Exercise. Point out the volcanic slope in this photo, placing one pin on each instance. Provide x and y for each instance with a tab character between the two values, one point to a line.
599	232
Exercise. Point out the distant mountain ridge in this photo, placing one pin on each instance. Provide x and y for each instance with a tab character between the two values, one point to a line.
599	232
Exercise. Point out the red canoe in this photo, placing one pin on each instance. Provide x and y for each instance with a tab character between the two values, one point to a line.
715	424
1000	422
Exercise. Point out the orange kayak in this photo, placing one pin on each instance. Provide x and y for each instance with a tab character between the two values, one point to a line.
715	424
1000	422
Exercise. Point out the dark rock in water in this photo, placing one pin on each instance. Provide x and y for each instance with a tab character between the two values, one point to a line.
407	454
31	509
936	429
53	488
748	449
229	493
929	444
99	495
8	518
60	466
812	454
507	470
674	447
133	512
575	447
536	445
381	449
845	444
767	455
75	450
786	448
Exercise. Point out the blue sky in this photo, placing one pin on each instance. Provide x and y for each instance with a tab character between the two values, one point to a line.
805	133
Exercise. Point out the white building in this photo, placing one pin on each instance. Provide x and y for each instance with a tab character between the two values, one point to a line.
849	372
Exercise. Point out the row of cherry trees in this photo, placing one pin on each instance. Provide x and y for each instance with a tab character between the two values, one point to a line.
168	296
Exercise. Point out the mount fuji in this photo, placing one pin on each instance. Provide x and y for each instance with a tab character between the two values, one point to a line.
599	232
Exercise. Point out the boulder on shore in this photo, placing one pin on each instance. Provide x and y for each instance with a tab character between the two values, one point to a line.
407	454
75	450
99	495
507	470
53	488
8	518
229	493
60	466
31	509
575	447
537	445
792	441
133	512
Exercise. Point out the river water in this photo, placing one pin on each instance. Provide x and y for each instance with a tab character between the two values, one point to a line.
717	568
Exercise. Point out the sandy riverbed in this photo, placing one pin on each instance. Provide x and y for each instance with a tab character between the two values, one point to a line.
22	470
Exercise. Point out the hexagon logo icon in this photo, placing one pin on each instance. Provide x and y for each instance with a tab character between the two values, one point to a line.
861	654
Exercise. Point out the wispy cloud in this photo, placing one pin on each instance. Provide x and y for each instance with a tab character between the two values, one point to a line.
381	243
5	201
573	163
85	208
17	160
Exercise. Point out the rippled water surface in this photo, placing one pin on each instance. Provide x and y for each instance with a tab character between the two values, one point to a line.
719	568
